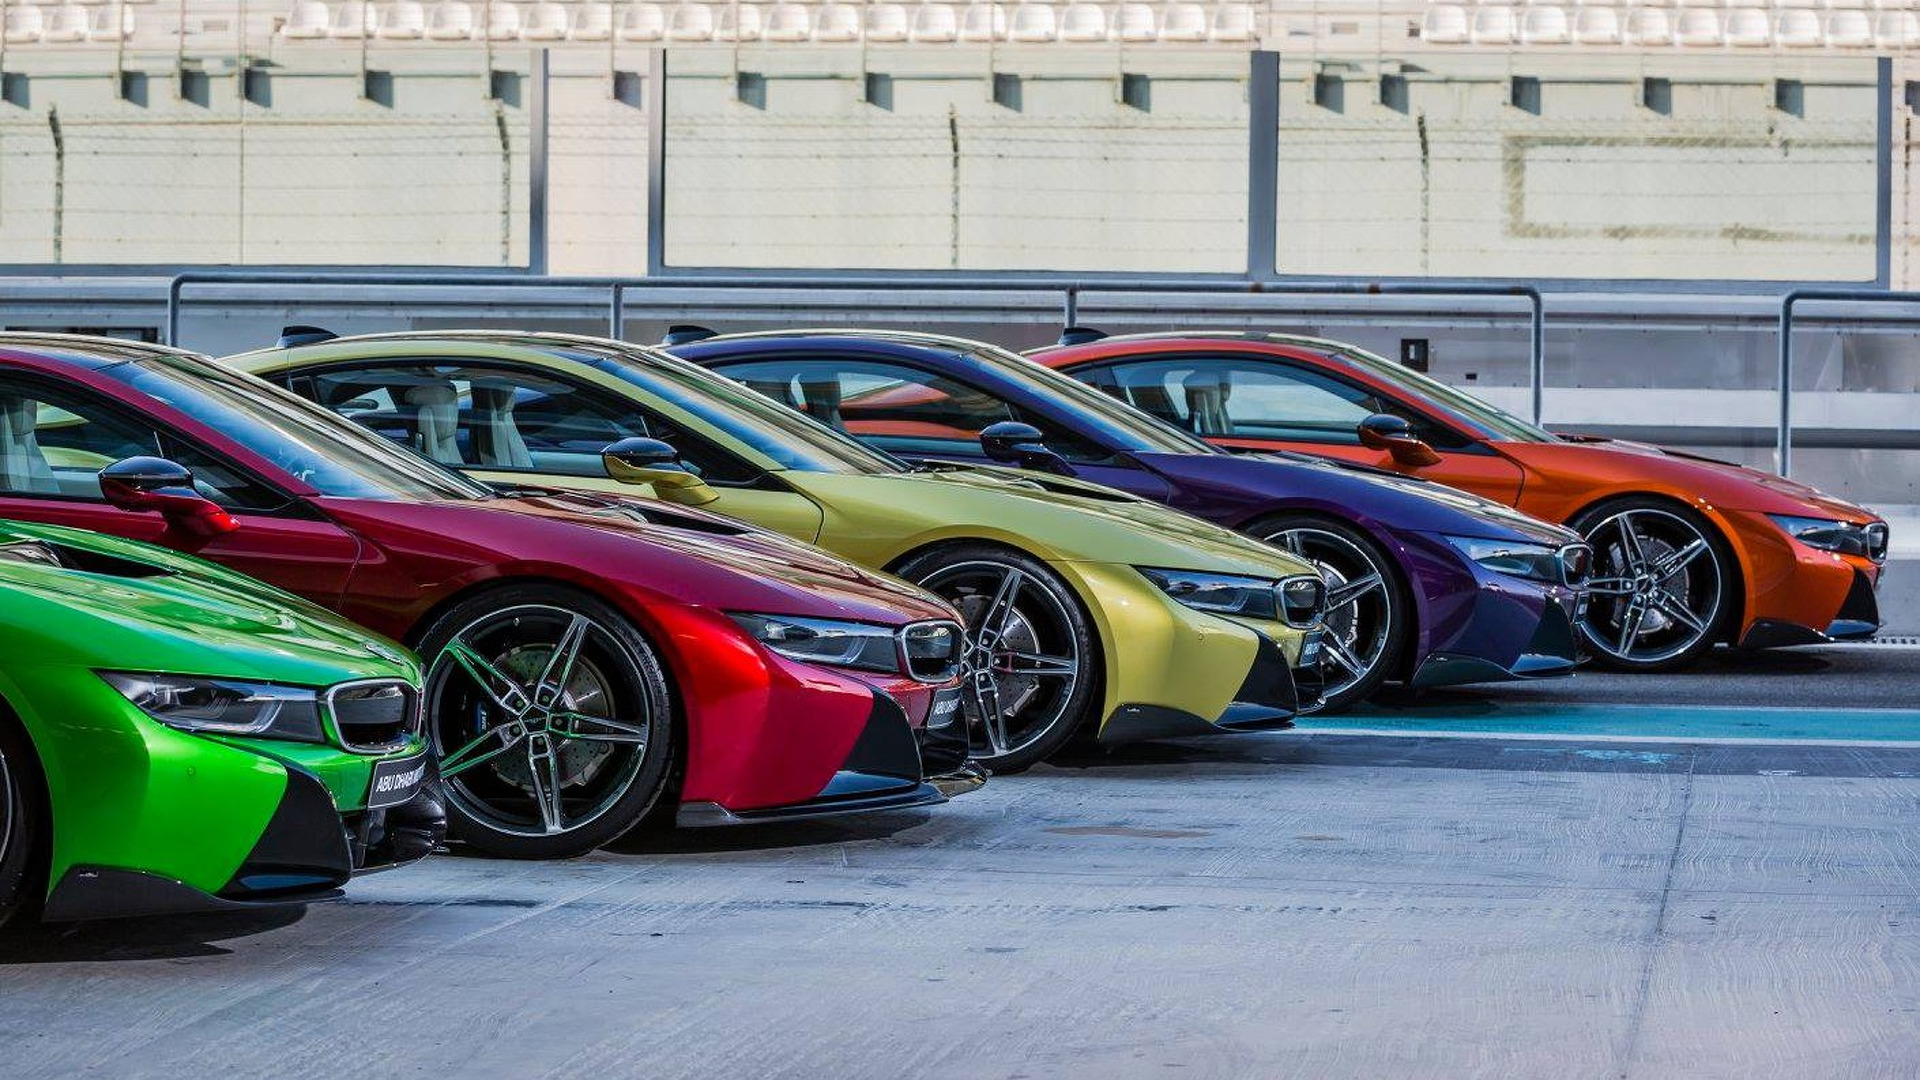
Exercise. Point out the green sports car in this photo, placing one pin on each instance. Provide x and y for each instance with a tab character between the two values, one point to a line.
1087	607
178	737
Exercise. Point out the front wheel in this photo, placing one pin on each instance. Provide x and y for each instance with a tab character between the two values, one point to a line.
1662	584
1368	622
1031	663
552	720
19	822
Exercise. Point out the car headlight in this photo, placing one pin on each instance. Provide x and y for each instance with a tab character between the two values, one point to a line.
1567	565
1842	536
224	706
834	642
1298	601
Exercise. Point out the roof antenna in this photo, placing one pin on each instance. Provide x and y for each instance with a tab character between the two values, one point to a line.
1080	335
292	337
686	334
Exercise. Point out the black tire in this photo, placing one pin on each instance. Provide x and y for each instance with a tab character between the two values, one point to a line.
603	740
1373	631
1707	586
21	814
1040	711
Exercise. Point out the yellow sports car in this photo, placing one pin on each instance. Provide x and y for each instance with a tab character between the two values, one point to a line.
1086	607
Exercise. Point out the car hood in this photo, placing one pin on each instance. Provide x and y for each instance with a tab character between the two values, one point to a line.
689	555
1723	483
105	602
1394	502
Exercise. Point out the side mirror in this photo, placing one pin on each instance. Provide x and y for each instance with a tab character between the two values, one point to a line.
151	484
651	461
1383	431
1011	442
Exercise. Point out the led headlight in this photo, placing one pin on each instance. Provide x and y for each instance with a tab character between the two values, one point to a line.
1234	594
826	641
1515	558
1841	536
224	706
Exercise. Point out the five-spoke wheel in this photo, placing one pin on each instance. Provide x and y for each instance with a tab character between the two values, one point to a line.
551	718
1659	588
1366	627
1029	650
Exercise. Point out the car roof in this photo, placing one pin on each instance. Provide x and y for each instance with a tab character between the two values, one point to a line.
84	351
902	338
548	343
1098	347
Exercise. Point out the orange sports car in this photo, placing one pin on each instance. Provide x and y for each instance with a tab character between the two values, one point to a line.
1689	552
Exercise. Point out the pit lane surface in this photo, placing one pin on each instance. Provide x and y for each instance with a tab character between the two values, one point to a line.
1306	904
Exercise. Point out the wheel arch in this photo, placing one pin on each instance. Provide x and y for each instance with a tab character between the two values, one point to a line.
40	857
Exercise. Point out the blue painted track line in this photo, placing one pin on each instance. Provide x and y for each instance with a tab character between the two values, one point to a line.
1633	723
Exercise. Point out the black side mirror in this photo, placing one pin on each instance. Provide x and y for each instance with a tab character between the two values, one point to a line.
156	485
1011	442
1384	431
651	461
639	453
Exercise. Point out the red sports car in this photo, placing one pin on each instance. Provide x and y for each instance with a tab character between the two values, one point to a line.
588	655
1689	551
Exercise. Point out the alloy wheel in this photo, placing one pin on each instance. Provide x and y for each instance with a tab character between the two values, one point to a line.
1656	588
1360	609
6	808
540	719
1023	660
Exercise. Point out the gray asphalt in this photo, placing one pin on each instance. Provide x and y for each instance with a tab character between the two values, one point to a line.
1263	906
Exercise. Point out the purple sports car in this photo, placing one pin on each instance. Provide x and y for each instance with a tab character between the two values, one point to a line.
1427	585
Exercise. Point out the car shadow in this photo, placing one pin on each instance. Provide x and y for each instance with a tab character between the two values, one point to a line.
885	825
155	937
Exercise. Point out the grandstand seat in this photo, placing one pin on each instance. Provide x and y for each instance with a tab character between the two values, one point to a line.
546	21
1897	30
1235	21
1034	23
1183	22
690	22
68	23
402	20
305	22
1493	25
837	22
1749	28
1799	29
1815	4
787	22
1699	27
502	21
1083	22
1596	26
935	22
591	22
983	22
1760	4
351	21
643	22
1541	25
1135	22
1849	29
888	22
1445	24
737	22
105	25
450	20
1848	5
1649	26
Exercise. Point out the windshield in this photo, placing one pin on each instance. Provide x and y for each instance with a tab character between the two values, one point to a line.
1122	426
312	445
1496	424
791	438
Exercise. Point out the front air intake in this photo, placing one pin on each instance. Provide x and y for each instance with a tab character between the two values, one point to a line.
377	716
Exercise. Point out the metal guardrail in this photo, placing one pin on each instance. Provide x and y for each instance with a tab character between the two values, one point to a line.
1783	446
1070	290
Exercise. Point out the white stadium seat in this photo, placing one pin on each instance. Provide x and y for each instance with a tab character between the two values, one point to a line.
1233	21
690	22
351	21
1596	26
737	22
983	22
1814	4
1849	29
1799	29
1699	27
837	22
591	22
25	24
1135	22
1034	23
544	22
1749	28
304	23
110	24
935	22
1493	25
1445	24
1848	5
1544	26
1649	26
68	23
403	20
502	22
787	22
888	22
1897	30
1083	22
643	22
1183	22
450	20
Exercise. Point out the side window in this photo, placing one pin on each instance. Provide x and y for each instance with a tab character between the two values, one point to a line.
898	407
54	442
506	419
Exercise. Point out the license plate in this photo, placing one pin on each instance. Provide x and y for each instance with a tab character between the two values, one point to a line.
397	781
1310	649
945	710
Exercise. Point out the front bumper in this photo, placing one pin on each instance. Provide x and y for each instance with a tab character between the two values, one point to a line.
1268	700
1553	650
1479	625
1857	619
883	771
